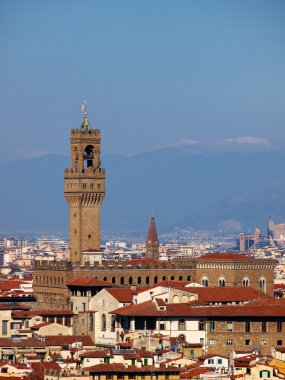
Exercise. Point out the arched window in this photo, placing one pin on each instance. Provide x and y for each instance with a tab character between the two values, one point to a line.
122	280
113	280
164	278
130	280
222	282
262	284
188	278
139	280
89	155
205	281
181	325
105	279
245	282
155	279
103	324
172	278
147	280
180	278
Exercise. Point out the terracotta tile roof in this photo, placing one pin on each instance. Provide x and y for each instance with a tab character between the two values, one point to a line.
40	367
224	256
123	295
90	282
21	314
38	326
114	367
124	344
260	308
20	365
231	257
34	376
279	286
9	285
132	356
96	354
26	342
226	294
145	353
160	302
120	367
194	373
150	263
14	307
60	340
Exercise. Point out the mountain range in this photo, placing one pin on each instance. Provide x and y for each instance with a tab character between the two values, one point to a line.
225	192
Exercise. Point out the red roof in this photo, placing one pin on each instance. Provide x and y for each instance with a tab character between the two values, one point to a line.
226	294
9	285
27	342
224	256
160	302
60	340
260	308
145	353
123	295
120	367
231	257
20	314
38	326
279	286
96	354
40	367
194	373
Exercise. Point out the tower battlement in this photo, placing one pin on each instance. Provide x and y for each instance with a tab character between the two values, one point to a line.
98	171
77	132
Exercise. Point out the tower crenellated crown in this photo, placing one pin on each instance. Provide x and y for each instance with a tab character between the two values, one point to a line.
84	189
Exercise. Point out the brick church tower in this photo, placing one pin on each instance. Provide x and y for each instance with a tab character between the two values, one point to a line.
152	243
84	189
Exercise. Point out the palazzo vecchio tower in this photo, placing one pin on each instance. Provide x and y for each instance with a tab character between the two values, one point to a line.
84	189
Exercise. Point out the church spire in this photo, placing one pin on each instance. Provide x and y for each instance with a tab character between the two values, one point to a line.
152	243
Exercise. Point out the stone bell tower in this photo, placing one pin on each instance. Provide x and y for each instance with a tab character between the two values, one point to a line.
84	189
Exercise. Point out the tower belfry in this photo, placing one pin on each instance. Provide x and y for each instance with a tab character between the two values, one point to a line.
84	189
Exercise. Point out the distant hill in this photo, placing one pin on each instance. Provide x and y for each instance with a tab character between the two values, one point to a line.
219	191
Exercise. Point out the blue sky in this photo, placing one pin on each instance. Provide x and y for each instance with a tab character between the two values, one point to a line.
154	73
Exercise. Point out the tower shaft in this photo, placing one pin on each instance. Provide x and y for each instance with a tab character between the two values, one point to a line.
84	190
